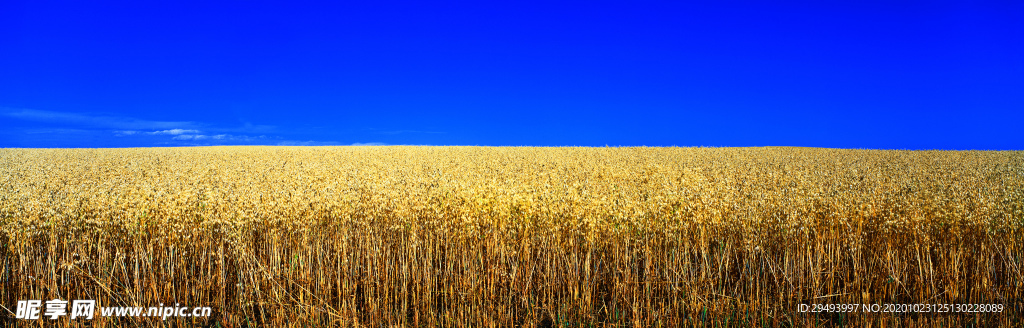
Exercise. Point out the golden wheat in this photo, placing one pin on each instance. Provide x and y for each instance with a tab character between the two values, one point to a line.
489	237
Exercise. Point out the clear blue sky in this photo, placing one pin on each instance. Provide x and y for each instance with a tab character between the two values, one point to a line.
867	74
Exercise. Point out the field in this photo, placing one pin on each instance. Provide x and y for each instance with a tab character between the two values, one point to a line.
503	237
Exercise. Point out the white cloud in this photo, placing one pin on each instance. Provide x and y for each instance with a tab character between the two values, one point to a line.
190	137
96	121
174	132
135	131
369	144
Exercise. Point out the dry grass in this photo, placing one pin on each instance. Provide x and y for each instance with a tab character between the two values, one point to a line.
501	237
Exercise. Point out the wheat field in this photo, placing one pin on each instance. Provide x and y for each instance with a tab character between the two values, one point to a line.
404	236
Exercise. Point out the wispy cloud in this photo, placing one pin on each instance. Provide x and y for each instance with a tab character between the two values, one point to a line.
78	129
221	138
173	132
94	121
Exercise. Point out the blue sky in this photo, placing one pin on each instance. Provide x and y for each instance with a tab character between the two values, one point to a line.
866	74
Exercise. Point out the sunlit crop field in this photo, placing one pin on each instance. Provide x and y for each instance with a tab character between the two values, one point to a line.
509	236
